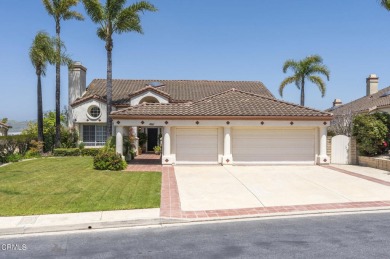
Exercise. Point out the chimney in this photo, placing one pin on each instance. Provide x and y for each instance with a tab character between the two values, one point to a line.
371	84
77	83
337	102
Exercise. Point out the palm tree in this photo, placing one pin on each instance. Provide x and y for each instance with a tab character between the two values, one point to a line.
41	53
60	10
385	4
112	18
305	69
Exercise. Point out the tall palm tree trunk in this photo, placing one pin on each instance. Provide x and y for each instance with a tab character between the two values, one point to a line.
40	111
303	92
109	88
58	85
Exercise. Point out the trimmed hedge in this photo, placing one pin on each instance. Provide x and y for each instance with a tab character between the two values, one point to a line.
109	160
76	152
90	151
66	152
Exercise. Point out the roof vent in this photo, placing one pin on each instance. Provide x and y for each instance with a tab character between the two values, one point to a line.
385	94
156	84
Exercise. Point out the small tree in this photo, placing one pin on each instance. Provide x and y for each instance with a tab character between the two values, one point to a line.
371	134
4	120
342	124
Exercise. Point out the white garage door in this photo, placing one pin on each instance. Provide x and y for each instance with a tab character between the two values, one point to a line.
196	146
273	146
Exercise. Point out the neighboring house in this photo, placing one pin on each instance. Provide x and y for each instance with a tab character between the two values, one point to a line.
200	122
4	129
373	101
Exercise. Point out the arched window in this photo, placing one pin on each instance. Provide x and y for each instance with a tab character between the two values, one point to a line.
149	99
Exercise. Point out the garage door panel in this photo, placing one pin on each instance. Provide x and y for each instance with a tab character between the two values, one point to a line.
273	145
196	145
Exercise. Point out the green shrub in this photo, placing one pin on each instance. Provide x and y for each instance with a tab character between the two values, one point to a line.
371	134
66	152
13	158
90	151
32	154
81	145
10	144
108	160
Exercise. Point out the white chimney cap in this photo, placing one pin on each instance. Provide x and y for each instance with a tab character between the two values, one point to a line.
372	76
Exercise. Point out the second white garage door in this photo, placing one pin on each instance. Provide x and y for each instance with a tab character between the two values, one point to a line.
196	145
273	146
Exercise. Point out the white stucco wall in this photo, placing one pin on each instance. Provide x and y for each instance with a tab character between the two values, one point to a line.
80	112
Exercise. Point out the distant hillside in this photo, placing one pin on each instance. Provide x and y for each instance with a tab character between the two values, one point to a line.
17	126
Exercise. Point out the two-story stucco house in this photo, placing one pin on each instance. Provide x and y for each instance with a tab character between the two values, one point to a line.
200	121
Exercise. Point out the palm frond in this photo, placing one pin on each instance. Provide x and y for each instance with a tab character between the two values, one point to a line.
320	83
102	33
48	6
114	7
320	69
128	21
95	10
73	15
385	4
312	59
42	52
290	63
143	6
288	80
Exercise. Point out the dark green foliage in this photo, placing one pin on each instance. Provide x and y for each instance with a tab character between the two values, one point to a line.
109	160
90	151
142	138
371	133
66	152
13	158
10	144
69	137
76	152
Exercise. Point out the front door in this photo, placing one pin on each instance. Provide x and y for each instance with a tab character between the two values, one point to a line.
152	138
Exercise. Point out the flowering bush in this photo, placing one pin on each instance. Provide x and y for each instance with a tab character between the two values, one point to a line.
109	160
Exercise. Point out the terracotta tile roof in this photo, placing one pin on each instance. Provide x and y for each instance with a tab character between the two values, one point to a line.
364	104
231	103
87	97
178	90
2	125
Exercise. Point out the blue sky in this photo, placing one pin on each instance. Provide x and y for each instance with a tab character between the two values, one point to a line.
214	40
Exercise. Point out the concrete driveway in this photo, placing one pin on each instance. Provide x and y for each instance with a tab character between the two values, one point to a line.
235	187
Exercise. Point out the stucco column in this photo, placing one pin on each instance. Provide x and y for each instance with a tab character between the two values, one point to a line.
119	139
227	153
166	157
136	139
323	159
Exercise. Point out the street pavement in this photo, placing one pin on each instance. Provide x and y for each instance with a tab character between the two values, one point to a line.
341	236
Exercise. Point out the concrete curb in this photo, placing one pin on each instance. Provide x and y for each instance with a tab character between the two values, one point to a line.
87	226
24	229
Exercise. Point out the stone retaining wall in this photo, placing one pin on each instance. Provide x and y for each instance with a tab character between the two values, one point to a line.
373	162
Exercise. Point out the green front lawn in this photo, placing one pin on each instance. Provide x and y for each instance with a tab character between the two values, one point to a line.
70	184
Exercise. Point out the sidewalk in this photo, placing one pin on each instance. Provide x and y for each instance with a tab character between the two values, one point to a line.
79	221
